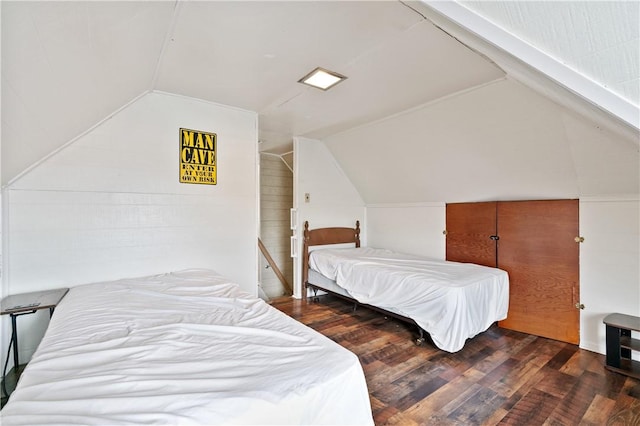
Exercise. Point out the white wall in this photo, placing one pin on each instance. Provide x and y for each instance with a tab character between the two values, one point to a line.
503	141
334	201
401	164
408	228
609	264
109	205
500	141
609	256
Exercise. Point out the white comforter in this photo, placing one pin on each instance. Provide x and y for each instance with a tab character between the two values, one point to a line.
184	348
451	301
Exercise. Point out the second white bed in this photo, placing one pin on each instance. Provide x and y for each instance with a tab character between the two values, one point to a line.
451	301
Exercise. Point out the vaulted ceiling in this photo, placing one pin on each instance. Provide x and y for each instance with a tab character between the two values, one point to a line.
67	66
599	39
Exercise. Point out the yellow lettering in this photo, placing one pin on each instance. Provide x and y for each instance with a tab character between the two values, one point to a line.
199	141
186	155
209	139
187	138
196	156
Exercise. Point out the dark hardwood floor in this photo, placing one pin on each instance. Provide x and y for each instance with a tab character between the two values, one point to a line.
500	377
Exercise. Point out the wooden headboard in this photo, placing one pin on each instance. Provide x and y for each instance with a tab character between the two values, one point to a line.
325	236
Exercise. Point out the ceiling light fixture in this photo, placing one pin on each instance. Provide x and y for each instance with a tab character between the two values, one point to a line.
321	78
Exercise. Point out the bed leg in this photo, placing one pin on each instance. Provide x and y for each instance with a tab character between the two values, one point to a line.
315	295
420	340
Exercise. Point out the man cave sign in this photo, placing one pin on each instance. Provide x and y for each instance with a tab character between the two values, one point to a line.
198	157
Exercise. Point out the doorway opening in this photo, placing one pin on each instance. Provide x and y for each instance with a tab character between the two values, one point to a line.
276	201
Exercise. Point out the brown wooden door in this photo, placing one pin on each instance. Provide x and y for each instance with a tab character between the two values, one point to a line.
469	230
538	250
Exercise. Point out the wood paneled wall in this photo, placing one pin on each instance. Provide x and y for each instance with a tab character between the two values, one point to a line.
276	200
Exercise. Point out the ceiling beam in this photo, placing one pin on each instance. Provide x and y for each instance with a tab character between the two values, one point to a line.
589	90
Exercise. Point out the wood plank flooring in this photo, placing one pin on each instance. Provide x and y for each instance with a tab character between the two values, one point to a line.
500	377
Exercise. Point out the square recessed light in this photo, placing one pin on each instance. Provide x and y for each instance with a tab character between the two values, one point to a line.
321	78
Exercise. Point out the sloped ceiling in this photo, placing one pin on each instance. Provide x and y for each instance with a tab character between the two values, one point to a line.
504	140
579	34
67	66
501	141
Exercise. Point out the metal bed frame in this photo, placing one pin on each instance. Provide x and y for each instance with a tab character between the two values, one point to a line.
342	235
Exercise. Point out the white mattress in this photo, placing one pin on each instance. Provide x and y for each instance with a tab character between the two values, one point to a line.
184	348
451	301
323	282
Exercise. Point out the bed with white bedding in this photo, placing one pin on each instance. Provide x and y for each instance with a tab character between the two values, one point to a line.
188	347
451	301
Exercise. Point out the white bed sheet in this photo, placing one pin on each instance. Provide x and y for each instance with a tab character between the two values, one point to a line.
451	301
184	348
320	280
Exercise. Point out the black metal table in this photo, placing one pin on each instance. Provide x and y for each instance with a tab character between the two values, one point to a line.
25	304
620	344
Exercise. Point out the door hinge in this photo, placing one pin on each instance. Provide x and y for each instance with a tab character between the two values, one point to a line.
579	305
579	239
